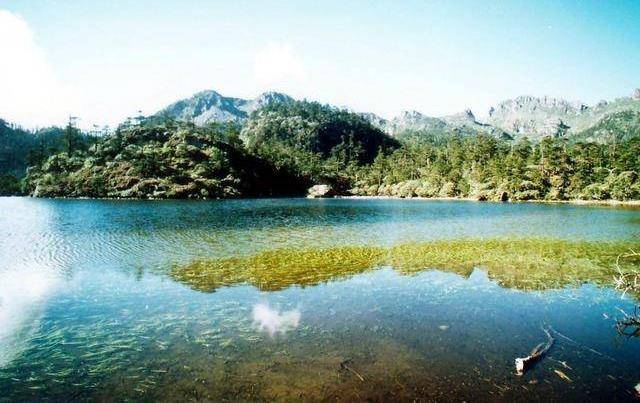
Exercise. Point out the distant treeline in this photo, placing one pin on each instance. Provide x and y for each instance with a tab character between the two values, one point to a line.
286	147
21	148
485	168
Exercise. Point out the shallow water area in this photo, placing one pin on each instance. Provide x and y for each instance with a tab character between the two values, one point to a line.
91	307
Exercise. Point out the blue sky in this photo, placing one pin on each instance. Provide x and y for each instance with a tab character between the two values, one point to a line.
103	61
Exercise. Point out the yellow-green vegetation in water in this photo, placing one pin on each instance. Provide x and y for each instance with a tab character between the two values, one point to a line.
525	263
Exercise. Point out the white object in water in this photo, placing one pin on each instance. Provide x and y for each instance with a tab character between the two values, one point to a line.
273	321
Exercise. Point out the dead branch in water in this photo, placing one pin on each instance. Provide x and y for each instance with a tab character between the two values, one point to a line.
629	325
522	364
567	338
626	280
346	365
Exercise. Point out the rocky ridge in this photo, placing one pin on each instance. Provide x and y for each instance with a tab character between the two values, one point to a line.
523	116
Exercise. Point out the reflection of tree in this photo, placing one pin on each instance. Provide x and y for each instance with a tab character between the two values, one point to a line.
629	325
628	281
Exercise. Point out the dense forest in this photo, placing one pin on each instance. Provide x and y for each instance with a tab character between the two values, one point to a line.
486	168
284	148
282	151
20	149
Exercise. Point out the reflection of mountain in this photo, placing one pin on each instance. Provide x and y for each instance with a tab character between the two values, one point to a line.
520	263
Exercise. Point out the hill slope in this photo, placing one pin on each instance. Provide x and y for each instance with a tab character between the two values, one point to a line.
288	146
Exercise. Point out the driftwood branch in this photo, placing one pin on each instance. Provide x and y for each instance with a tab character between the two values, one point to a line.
626	280
567	338
523	364
346	365
629	324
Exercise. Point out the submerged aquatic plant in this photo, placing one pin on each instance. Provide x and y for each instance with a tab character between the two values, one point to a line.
524	263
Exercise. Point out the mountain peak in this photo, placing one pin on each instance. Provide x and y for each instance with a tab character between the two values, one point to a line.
210	106
411	115
463	118
523	116
531	104
269	97
535	117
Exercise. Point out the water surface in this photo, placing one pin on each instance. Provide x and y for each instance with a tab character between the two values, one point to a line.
89	308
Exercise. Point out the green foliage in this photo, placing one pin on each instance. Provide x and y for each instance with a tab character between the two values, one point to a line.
284	148
487	168
319	142
9	185
168	160
525	263
20	149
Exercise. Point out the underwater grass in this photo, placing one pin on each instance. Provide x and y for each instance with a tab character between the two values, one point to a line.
280	268
524	263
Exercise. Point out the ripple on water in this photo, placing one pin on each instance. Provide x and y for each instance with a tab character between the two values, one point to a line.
89	311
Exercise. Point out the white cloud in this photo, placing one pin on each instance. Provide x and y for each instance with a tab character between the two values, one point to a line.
30	94
277	66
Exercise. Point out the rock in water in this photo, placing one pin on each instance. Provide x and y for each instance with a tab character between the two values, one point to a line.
320	191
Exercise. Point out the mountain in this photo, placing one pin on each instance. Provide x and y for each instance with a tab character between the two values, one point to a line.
539	117
618	126
412	123
210	106
524	116
282	149
310	129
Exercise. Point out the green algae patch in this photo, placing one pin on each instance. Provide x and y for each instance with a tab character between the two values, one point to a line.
537	263
280	268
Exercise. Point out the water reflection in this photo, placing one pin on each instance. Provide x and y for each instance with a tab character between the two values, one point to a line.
273	321
23	292
515	263
30	259
100	299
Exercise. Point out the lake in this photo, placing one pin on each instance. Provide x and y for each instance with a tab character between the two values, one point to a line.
295	299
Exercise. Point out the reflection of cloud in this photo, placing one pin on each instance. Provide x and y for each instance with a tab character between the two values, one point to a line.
22	293
272	321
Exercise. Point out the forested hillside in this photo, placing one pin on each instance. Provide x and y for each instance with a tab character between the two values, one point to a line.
161	160
285	147
486	168
20	149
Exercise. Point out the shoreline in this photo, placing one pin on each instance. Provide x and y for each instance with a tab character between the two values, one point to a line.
619	203
627	203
